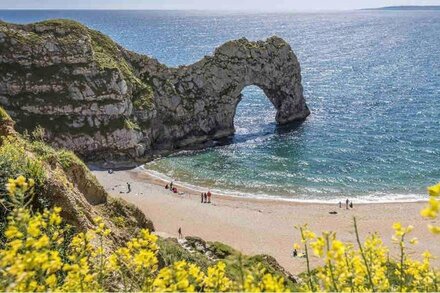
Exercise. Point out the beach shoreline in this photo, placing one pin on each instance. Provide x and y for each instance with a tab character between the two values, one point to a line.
260	226
160	179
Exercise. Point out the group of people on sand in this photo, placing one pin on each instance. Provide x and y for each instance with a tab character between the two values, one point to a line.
347	204
171	187
205	197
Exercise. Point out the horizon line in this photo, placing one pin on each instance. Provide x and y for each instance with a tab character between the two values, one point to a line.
218	10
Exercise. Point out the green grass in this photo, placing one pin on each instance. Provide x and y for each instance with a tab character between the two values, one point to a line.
170	252
45	152
21	36
222	250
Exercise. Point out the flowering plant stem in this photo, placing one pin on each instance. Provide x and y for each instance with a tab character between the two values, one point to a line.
370	279
309	273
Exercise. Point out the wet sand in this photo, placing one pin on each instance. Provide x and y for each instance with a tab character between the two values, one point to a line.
256	226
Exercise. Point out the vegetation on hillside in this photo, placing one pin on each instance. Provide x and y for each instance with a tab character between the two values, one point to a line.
37	256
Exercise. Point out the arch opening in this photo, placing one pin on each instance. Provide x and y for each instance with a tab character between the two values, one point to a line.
254	114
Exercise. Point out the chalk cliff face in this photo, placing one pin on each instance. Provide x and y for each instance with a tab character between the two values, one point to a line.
105	102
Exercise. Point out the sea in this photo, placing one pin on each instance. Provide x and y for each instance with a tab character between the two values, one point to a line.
371	80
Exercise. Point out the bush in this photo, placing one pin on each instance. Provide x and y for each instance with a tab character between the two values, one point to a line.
14	162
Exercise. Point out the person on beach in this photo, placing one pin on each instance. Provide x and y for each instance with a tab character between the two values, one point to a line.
175	190
351	204
346	204
128	187
340	204
295	253
171	186
180	233
209	196
201	197
205	198
166	186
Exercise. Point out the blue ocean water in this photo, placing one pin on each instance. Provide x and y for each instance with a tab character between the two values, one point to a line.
371	80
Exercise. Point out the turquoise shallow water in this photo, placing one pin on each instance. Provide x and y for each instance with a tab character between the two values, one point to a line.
371	80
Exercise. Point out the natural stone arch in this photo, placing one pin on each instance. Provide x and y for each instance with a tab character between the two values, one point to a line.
107	103
212	88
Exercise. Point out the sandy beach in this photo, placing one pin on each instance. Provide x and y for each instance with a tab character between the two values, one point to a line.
262	226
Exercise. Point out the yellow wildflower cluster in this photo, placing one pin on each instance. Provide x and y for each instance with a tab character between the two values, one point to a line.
216	279
38	257
260	281
18	192
179	277
367	267
433	208
27	261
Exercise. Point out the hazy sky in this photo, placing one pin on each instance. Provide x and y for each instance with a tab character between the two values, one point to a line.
284	5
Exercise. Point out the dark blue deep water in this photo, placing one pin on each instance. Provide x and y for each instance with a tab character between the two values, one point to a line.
371	80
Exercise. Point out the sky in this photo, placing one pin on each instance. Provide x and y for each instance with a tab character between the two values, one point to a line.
261	5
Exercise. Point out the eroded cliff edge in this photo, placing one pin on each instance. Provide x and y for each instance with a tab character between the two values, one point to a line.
107	103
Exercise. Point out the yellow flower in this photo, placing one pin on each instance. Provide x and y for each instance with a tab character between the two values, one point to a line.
20	181
309	234
434	190
434	229
51	281
13	232
414	241
427	254
432	210
397	226
318	246
337	249
11	187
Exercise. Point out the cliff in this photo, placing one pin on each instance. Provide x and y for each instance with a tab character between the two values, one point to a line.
62	180
106	103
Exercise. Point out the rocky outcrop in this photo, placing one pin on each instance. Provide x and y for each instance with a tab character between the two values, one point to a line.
215	251
104	102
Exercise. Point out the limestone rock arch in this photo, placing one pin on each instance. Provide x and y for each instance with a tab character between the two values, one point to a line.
107	103
211	88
